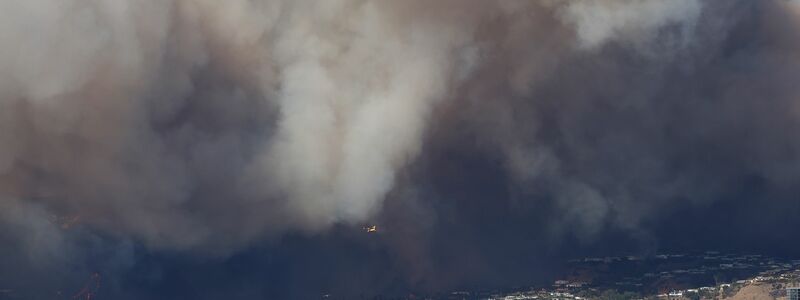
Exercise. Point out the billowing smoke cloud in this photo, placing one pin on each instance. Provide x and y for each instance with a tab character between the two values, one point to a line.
181	121
637	22
201	125
155	119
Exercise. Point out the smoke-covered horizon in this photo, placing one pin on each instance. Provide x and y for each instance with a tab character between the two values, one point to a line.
207	129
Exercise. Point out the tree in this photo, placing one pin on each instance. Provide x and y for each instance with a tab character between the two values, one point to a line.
614	295
692	295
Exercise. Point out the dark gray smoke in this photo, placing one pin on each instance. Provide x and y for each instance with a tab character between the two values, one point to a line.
180	122
201	126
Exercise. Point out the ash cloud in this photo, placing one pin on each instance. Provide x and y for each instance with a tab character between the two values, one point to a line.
198	126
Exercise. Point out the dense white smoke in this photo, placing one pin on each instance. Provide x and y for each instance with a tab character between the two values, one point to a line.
187	123
633	21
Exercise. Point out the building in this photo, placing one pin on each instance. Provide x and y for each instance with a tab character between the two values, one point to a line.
793	293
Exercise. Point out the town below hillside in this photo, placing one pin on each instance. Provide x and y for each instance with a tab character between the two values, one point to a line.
707	275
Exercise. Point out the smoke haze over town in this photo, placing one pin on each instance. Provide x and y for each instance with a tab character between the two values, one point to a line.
289	149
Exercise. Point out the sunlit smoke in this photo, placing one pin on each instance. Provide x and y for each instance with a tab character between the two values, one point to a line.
197	124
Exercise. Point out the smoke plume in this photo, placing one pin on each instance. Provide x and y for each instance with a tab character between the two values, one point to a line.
204	126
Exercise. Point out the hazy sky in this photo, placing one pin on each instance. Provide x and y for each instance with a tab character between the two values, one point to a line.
203	149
